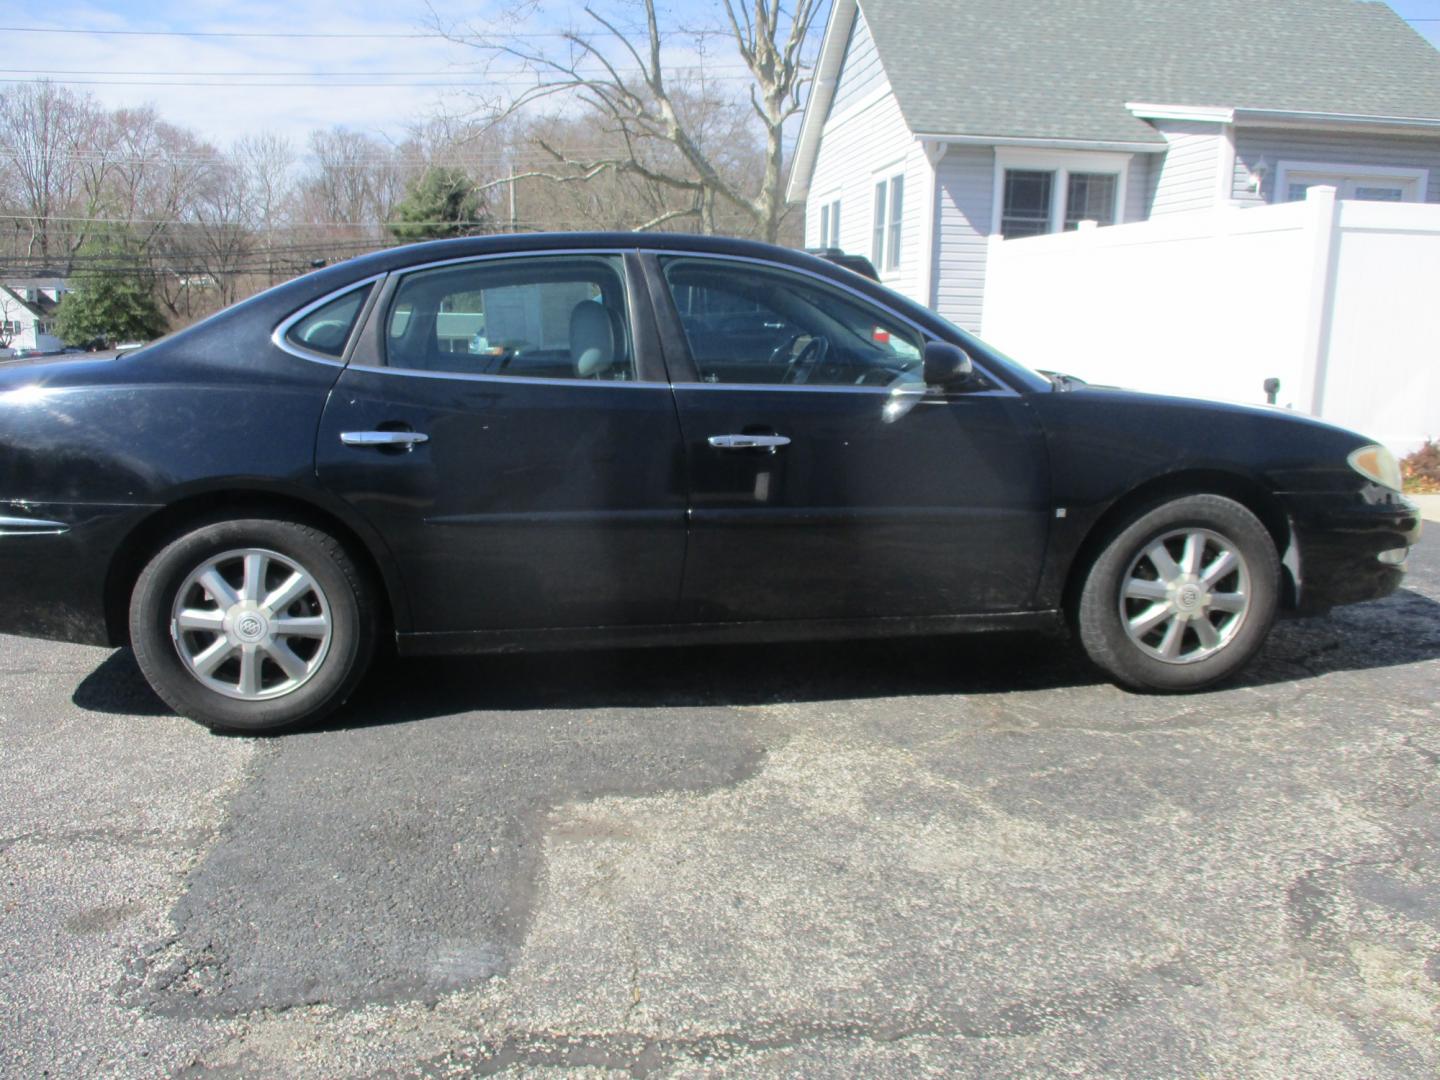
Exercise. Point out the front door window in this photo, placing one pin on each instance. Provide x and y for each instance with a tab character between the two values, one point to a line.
750	325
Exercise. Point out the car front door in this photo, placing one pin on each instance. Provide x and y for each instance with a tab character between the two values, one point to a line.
505	425
825	480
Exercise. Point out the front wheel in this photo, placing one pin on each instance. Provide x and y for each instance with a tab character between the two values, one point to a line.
253	624
1181	597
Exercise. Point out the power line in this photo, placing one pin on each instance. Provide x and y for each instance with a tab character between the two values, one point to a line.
261	229
316	86
237	74
488	160
433	34
367	73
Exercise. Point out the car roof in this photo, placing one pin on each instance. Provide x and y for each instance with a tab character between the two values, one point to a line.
393	258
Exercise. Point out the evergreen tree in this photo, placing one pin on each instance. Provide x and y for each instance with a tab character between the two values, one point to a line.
111	302
442	202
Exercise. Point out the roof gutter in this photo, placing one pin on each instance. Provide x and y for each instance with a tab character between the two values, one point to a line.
1283	118
1120	147
822	93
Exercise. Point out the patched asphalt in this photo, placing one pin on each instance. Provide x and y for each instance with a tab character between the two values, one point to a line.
955	857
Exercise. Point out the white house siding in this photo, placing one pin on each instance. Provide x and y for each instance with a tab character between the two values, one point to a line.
865	139
1337	148
965	194
860	73
1137	186
1187	178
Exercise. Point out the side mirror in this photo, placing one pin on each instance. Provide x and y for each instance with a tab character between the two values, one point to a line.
946	364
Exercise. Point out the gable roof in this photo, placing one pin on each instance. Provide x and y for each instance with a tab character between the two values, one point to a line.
17	304
1065	69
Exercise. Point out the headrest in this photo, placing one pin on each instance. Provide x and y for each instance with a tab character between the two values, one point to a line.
593	338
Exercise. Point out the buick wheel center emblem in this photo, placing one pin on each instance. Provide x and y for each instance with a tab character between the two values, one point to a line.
1189	597
250	627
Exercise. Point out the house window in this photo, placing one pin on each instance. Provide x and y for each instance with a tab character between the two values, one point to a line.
877	236
1368	183
1028	194
1090	197
897	213
1045	191
886	229
830	224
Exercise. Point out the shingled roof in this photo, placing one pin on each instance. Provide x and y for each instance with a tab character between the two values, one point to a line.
1066	68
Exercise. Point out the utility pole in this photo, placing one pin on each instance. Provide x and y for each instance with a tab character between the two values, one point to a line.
514	221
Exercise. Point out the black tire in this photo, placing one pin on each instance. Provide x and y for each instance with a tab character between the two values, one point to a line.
349	605
1134	660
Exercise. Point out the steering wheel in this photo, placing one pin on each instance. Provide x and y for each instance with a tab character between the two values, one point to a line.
803	363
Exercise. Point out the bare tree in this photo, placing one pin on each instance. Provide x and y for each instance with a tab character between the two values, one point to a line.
40	139
266	162
222	239
9	309
655	113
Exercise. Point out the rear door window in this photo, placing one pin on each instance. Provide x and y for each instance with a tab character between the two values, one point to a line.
548	317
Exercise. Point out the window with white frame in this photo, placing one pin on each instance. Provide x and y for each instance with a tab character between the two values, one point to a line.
886	229
830	224
1039	192
1368	183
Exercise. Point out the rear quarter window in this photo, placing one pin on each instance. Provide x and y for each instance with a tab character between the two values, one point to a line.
327	329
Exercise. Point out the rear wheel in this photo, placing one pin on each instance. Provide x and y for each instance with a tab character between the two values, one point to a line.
1182	596
253	624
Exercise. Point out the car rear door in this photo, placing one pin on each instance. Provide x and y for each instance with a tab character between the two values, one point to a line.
825	480
505	425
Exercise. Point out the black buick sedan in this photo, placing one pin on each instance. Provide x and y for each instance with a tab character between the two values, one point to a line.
558	441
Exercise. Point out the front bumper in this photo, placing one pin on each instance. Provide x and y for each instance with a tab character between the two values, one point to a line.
54	560
1338	541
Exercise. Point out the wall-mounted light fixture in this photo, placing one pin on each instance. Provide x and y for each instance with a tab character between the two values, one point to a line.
1258	172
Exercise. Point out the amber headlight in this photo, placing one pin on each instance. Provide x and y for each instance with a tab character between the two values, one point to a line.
1378	464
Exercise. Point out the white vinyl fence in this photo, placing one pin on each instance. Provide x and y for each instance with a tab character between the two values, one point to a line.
1339	300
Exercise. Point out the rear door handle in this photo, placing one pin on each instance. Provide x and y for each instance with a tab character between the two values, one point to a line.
383	438
748	442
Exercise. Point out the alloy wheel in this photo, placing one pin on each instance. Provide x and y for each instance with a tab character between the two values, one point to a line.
1185	595
251	624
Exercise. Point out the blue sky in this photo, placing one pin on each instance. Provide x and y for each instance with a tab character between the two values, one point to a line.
222	113
395	41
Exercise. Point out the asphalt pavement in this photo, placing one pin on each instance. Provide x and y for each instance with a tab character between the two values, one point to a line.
958	857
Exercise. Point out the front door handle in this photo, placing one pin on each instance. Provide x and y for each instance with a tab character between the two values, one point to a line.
383	438
748	442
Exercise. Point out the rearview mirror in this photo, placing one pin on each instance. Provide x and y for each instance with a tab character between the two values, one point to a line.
946	364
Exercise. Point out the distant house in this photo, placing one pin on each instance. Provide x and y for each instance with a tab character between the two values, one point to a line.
935	125
27	312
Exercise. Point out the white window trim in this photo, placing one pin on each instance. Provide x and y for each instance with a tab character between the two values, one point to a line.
885	175
1416	181
1062	163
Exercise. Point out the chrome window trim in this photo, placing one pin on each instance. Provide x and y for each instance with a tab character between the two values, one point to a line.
529	253
1003	389
401	273
277	336
935	397
464	376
